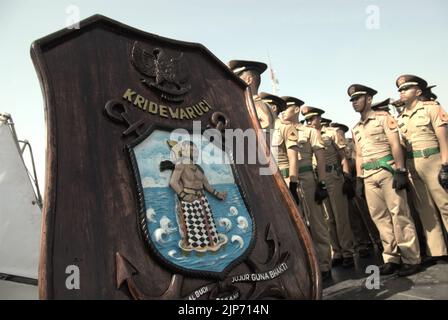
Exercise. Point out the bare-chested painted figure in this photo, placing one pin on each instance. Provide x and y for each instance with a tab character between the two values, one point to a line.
196	222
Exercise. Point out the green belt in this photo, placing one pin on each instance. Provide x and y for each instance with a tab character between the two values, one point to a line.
378	164
425	153
285	172
305	169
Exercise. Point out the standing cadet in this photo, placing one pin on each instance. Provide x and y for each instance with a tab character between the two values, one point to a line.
381	174
384	106
276	103
423	125
283	138
365	233
308	142
337	205
250	72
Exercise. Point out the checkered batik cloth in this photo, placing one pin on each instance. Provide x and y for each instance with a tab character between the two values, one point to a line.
201	229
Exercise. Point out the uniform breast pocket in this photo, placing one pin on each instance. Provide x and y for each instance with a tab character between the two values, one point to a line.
422	123
377	133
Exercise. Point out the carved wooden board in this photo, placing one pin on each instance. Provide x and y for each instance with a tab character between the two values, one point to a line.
127	201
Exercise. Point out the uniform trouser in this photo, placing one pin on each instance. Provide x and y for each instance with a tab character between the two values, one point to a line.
341	235
361	237
390	212
317	222
430	201
361	208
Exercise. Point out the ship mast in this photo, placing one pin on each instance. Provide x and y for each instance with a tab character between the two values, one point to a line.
274	80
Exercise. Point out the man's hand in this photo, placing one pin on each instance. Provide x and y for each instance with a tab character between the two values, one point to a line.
443	177
221	195
348	187
321	192
401	180
293	189
360	187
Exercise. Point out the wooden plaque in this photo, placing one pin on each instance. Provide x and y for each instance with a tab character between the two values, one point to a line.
136	204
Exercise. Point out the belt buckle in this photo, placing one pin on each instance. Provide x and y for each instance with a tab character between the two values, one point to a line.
425	154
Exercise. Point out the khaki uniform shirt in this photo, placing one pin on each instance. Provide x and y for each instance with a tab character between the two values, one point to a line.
334	141
371	140
417	126
308	141
284	137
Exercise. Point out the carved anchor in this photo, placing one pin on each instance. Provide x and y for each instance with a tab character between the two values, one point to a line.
126	276
219	121
118	112
275	287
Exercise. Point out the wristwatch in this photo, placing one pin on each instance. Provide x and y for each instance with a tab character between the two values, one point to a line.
402	170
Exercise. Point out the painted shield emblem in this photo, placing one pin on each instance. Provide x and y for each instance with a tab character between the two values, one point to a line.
193	214
140	197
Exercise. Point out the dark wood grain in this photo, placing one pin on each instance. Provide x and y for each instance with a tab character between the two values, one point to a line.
91	204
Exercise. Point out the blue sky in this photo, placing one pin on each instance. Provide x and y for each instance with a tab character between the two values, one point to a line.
318	48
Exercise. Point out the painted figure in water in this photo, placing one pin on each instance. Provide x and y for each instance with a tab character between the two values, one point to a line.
194	213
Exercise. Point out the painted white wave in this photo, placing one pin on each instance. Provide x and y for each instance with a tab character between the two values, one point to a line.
167	225
172	253
238	239
151	215
160	235
233	211
226	223
242	223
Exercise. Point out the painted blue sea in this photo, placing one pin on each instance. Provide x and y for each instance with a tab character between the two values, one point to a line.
231	218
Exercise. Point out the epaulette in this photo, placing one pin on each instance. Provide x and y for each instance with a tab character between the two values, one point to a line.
430	103
382	113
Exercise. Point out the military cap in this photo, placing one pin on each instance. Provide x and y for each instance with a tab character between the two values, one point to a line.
309	112
238	66
325	121
341	126
358	89
293	101
382	105
409	80
274	100
428	94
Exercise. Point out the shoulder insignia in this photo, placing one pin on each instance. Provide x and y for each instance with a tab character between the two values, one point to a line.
430	103
442	114
292	135
391	122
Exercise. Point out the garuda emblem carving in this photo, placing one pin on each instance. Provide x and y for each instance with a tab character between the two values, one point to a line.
168	75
